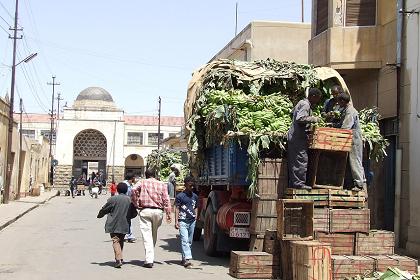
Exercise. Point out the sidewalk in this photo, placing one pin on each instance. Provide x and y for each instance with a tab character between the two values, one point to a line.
12	211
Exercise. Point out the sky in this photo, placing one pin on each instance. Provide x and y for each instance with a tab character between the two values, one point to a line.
136	50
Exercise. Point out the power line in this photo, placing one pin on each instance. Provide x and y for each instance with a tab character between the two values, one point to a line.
7	11
5	30
5	21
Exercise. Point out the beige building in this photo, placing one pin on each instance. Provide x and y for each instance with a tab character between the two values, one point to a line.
375	48
269	39
30	164
95	135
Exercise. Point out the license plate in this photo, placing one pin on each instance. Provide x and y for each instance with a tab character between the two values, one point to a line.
239	232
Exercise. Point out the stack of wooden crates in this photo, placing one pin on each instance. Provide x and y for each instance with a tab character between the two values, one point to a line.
323	233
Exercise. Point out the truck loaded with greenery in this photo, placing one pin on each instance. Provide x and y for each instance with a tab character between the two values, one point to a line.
236	114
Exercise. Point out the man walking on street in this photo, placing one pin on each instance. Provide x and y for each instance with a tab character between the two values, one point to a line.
185	217
151	197
350	120
297	139
120	211
130	180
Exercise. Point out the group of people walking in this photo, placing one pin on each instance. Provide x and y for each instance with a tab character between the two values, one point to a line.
149	199
340	112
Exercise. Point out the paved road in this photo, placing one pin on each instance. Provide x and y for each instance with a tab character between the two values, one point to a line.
63	240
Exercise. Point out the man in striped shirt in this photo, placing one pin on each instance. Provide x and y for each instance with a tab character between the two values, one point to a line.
151	197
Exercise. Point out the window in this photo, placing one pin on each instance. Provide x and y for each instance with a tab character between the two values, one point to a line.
30	133
134	138
153	138
321	16
46	134
360	12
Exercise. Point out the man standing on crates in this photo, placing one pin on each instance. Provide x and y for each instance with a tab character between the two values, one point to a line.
297	139
350	120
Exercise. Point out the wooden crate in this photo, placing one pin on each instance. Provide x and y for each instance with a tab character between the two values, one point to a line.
272	177
263	214
341	243
376	242
252	265
331	139
330	198
295	219
350	266
382	262
326	169
350	220
321	220
311	260
286	257
256	243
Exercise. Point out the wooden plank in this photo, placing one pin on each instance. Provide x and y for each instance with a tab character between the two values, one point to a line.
256	243
382	262
341	243
311	260
292	191
286	256
328	187
321	220
350	220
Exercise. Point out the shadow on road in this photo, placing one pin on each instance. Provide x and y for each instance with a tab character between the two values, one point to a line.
109	263
173	245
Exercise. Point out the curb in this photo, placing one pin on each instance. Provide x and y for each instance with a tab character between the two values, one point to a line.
3	226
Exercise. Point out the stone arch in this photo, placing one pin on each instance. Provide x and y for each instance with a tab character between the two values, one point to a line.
89	153
134	163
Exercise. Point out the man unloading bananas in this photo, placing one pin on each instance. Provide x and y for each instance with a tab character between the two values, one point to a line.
297	139
350	120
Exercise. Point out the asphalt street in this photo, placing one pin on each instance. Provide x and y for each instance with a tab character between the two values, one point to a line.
63	239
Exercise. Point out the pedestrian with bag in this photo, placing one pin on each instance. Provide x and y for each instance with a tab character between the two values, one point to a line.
185	218
120	211
151	197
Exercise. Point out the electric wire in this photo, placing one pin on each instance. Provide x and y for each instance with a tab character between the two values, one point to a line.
7	11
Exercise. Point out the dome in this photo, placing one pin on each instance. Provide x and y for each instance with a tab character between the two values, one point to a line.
94	93
94	99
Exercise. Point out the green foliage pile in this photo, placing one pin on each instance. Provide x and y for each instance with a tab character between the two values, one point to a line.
167	158
371	133
253	110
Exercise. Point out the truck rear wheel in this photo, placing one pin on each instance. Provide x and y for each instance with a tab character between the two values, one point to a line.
210	237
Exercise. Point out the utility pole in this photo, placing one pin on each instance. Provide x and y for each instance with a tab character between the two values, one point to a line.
20	149
236	19
58	107
160	103
303	11
10	158
53	84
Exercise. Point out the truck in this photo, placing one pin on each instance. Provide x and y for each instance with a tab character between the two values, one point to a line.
222	168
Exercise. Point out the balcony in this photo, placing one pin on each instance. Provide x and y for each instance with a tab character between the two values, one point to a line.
346	48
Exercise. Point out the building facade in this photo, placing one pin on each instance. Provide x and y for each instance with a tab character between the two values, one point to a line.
95	135
259	40
30	161
374	45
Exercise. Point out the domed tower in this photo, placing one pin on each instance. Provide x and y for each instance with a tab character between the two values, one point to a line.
94	99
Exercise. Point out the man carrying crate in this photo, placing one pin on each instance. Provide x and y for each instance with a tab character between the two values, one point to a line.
350	120
297	139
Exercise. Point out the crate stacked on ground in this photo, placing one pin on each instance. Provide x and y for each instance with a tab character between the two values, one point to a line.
301	256
272	181
252	265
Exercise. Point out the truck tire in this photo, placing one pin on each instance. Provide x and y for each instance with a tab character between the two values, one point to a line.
210	238
197	234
